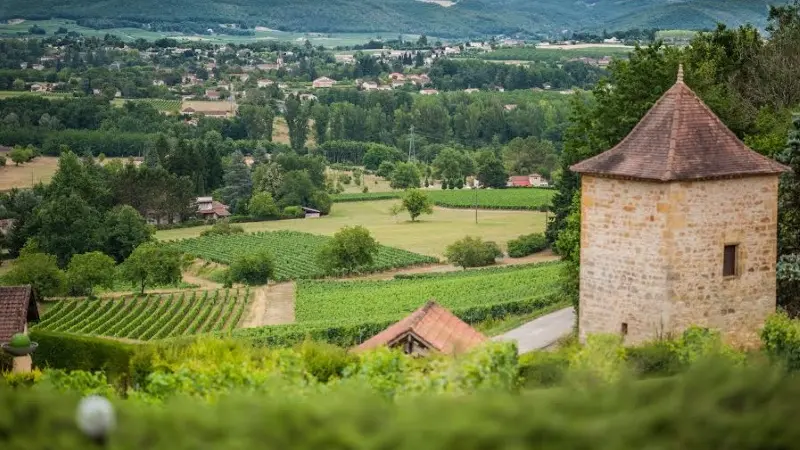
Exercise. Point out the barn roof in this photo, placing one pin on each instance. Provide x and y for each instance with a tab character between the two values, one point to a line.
435	326
679	139
17	308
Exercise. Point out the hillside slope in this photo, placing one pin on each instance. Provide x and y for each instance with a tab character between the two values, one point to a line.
465	18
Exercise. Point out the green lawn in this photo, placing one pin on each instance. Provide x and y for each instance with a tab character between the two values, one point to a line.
376	300
429	236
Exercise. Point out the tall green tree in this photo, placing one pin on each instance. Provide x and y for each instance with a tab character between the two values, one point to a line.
38	269
123	230
150	265
405	176
297	115
350	249
238	186
320	115
89	270
67	226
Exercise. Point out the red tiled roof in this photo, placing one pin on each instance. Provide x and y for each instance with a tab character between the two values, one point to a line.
520	180
435	326
679	139
217	208
17	307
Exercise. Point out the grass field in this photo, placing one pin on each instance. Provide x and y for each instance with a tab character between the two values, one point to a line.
429	236
130	34
151	316
40	170
375	300
523	198
294	253
51	95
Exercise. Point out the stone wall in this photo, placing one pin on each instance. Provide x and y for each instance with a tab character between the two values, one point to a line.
652	254
705	217
623	278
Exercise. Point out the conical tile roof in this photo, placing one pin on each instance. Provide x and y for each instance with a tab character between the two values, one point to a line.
679	139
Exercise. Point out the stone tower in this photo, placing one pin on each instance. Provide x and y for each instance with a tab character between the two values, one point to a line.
678	228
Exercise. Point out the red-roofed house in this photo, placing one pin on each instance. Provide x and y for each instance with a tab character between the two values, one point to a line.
519	181
17	308
207	208
430	328
323	82
212	94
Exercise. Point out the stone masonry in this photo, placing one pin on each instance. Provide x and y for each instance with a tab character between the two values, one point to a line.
652	256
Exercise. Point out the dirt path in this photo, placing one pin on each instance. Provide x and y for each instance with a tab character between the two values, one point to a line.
546	255
203	283
272	305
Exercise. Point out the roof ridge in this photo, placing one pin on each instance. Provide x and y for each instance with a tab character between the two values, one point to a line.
420	313
676	118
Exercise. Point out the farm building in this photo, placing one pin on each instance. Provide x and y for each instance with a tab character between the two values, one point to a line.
428	92
212	94
430	328
678	228
532	180
265	83
311	213
210	209
323	82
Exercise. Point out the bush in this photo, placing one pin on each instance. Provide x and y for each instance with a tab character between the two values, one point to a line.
293	212
385	169
262	206
653	359
253	268
324	361
222	228
71	352
472	252
350	249
543	368
527	244
781	339
2	160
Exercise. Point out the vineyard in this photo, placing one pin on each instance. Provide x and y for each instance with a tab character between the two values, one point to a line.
161	104
294	253
371	300
522	198
149	317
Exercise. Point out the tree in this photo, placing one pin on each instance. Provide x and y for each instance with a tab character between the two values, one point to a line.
18	85
405	176
151	265
453	166
296	189
257	121
385	169
296	116
472	252
350	249
321	201
320	115
67	226
491	172
124	229
87	270
789	223
262	206
267	177
38	269
238	187
252	268
20	154
416	202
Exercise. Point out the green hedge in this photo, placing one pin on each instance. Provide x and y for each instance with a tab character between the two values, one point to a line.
711	407
73	352
527	244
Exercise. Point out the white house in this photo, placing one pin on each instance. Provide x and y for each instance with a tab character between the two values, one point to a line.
323	82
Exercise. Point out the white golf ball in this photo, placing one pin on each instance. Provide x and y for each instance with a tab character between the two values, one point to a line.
95	415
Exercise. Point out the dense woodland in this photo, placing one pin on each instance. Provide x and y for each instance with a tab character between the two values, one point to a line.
749	82
472	18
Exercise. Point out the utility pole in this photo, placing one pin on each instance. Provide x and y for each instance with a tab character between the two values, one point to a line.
411	152
475	187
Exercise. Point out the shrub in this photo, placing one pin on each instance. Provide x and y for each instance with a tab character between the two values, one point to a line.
543	368
472	252
324	361
653	359
222	228
71	352
527	244
350	248
417	202
345	178
601	359
293	212
20	340
253	268
385	170
262	206
698	343
781	339
2	160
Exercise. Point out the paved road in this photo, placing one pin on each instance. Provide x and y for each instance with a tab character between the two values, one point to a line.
542	332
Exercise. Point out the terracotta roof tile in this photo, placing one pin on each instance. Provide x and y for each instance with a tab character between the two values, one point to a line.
437	327
17	307
679	139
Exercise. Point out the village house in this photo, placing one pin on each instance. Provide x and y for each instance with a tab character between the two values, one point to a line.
471	90
344	59
532	180
428	92
369	86
212	94
397	76
308	97
210	209
678	228
264	83
323	82
398	83
429	329
158	83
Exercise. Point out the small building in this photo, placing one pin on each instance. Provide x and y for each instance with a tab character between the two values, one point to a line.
212	94
538	180
369	86
210	209
678	228
428	92
397	76
323	82
519	181
17	308
311	213
264	83
429	329
471	90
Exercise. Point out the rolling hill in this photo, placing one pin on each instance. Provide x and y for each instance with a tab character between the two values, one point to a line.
463	18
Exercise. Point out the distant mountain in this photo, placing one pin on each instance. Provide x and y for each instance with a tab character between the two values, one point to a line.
461	19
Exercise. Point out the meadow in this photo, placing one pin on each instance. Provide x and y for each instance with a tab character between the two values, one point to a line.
428	236
40	170
522	198
150	316
294	253
375	300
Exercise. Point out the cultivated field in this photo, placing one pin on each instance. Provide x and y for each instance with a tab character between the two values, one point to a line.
555	52
374	300
429	236
166	106
151	316
521	198
294	253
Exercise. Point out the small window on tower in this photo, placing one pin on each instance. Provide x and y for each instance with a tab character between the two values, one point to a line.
729	261
624	328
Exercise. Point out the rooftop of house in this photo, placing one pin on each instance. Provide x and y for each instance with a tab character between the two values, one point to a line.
679	139
17	308
435	326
